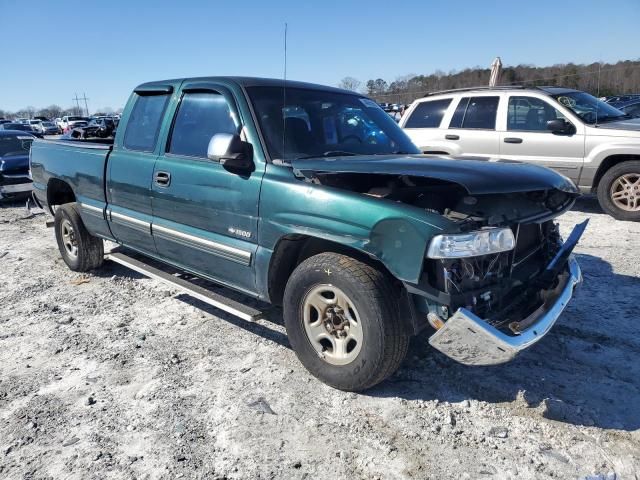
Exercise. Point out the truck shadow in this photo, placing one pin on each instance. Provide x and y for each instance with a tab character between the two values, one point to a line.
584	372
588	204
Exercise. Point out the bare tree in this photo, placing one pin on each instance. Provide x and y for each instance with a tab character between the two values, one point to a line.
350	83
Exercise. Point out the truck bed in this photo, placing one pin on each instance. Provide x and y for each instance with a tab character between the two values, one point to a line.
81	164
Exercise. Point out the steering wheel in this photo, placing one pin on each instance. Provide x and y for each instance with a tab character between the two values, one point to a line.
588	117
349	138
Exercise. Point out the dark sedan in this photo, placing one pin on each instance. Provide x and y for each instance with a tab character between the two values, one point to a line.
14	163
24	127
631	108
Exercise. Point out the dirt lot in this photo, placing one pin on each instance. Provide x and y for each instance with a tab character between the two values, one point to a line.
112	375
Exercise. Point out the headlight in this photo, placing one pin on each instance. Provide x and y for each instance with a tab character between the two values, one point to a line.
472	244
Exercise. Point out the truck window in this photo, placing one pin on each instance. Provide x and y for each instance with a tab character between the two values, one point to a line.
199	117
428	114
476	112
530	114
144	122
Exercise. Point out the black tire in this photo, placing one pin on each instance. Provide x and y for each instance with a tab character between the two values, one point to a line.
384	340
608	180
89	249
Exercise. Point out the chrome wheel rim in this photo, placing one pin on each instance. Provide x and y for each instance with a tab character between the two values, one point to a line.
625	192
332	324
69	238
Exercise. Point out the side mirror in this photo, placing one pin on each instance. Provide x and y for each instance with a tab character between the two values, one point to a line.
560	126
231	152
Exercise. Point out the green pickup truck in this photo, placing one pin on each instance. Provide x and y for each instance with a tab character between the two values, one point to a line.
312	198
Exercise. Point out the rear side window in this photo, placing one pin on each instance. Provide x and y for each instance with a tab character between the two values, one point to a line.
476	112
428	114
200	116
144	122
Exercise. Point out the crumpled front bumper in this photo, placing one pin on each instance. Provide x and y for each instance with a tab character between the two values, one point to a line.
470	340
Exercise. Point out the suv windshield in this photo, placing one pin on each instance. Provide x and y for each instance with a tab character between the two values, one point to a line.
589	108
316	123
11	145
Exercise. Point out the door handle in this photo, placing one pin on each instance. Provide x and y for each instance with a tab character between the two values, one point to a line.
162	178
512	140
452	137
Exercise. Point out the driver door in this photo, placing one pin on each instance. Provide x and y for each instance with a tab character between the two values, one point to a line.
205	218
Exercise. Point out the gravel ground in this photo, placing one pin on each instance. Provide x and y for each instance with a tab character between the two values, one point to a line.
112	375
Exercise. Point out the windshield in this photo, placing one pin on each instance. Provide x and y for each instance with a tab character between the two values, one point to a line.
73	119
316	123
47	124
11	145
589	108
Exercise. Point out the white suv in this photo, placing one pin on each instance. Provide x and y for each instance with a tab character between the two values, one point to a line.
589	141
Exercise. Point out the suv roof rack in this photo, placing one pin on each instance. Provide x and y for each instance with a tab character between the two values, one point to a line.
469	89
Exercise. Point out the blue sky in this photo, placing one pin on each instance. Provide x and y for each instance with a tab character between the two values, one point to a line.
53	49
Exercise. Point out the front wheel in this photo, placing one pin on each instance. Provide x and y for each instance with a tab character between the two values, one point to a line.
80	250
619	191
341	317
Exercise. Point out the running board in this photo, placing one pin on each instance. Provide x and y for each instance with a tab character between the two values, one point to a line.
214	299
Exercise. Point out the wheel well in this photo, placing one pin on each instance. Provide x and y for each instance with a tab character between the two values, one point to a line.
609	162
292	250
59	193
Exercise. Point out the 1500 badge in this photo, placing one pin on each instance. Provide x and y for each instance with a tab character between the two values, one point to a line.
240	233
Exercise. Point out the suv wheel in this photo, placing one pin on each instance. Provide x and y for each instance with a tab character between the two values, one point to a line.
619	191
80	250
342	321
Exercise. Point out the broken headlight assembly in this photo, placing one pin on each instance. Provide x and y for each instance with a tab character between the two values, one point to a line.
472	244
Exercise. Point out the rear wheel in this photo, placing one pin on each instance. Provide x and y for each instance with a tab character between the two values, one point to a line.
619	191
80	250
342	321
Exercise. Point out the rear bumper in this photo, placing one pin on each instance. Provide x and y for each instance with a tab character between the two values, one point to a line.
470	340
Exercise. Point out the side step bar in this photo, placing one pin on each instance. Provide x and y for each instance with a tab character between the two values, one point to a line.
214	299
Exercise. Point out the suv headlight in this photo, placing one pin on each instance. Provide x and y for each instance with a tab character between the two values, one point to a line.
472	244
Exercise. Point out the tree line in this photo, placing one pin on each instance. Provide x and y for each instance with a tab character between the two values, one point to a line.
52	111
599	79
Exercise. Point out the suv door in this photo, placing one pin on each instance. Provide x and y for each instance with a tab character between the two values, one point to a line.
527	139
205	216
130	169
473	126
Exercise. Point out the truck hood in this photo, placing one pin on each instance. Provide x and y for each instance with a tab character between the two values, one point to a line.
476	175
14	163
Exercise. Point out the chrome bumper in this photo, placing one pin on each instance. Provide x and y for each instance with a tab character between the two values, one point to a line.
17	188
470	340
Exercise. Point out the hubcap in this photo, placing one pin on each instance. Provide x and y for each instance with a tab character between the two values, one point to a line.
625	192
69	238
332	324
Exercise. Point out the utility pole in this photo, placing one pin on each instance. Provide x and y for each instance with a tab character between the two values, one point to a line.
86	107
77	100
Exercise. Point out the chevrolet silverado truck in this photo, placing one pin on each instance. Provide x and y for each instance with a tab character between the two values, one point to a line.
312	198
586	139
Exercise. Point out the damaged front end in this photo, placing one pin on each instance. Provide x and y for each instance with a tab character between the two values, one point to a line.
497	277
491	321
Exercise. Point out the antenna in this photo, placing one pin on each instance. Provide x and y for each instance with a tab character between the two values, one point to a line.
284	93
598	89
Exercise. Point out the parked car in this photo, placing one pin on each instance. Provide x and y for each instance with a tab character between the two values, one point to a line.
364	241
23	127
616	100
37	124
4	120
68	122
631	108
21	120
50	128
44	119
14	163
589	141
